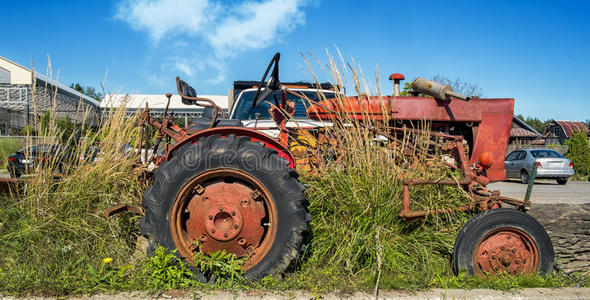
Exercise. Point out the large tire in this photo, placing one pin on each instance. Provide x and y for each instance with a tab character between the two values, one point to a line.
503	240
219	171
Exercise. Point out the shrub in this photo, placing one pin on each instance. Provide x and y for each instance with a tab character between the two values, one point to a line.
579	153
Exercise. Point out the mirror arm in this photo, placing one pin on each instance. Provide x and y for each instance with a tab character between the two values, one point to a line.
196	100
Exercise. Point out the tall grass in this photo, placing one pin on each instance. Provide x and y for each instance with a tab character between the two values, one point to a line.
53	235
358	239
7	147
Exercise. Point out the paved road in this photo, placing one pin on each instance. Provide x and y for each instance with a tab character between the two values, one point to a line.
545	191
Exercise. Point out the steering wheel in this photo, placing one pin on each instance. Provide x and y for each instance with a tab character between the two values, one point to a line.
273	83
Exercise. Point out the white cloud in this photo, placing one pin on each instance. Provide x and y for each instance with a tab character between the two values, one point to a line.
255	25
166	17
220	30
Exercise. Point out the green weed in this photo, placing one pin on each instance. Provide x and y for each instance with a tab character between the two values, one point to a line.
166	271
225	267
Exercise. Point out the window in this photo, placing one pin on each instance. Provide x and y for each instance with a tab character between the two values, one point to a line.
512	156
556	131
516	155
245	111
4	76
545	153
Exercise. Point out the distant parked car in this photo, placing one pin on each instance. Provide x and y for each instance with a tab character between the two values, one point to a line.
27	159
550	164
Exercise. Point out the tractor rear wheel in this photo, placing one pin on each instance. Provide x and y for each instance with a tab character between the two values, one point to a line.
503	240
228	193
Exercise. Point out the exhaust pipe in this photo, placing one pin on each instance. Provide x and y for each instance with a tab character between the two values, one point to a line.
436	89
396	77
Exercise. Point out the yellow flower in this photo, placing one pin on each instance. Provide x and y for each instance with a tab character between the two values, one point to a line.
107	260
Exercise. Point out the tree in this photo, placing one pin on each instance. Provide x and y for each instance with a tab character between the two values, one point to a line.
578	152
536	123
88	91
458	85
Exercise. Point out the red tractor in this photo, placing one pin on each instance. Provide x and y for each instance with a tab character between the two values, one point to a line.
221	186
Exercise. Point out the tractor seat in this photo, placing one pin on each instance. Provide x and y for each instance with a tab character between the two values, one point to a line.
204	121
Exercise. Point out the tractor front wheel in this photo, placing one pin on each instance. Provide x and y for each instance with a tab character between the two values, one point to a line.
228	193
503	240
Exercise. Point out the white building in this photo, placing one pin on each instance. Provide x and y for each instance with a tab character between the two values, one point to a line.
26	94
157	103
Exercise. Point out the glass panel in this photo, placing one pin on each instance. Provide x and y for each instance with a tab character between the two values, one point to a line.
245	111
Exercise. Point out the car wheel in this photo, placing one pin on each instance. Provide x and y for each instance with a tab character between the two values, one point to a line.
561	181
524	177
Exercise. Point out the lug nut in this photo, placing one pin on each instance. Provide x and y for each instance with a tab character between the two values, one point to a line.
225	234
221	209
514	250
212	230
493	257
235	226
502	248
233	213
210	217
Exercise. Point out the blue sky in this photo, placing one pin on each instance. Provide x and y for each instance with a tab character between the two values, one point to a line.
537	52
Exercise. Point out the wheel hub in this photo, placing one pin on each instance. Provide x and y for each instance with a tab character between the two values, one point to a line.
507	250
226	215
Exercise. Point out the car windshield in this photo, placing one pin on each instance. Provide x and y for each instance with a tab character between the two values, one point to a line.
245	111
545	153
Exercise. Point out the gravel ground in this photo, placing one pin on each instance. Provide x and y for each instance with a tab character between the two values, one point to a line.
533	293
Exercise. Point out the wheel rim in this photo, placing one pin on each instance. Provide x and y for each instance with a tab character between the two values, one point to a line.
506	250
224	209
524	177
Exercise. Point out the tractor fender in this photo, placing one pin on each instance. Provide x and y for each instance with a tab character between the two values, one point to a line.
256	136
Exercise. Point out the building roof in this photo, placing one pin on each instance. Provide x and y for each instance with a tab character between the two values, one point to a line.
526	126
569	127
68	90
521	132
137	101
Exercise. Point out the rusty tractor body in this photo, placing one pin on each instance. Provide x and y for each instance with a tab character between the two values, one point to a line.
221	186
